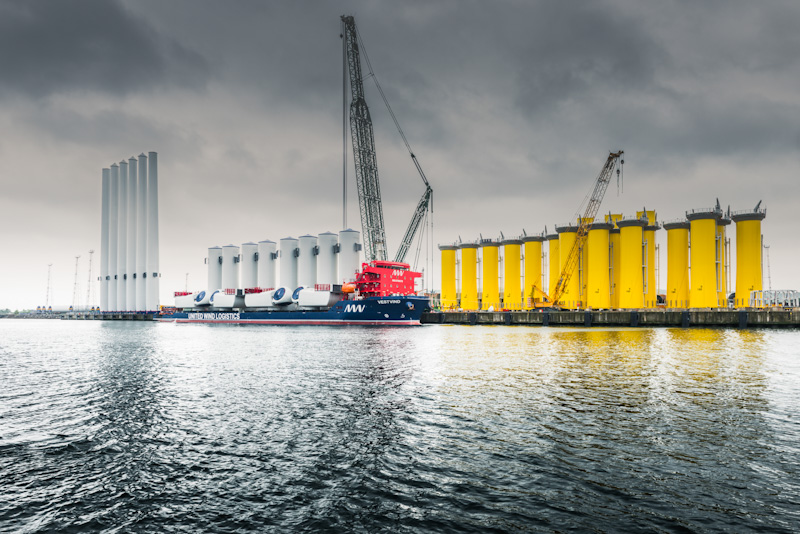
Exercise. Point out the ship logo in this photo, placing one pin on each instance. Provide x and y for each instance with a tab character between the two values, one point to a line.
357	308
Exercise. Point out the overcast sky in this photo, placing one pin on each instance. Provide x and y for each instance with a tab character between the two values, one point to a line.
511	108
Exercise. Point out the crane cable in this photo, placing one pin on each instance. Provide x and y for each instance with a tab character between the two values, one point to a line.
388	107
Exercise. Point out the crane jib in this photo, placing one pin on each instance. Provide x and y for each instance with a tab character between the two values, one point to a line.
365	159
584	224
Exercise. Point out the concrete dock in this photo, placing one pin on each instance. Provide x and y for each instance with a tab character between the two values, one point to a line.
754	318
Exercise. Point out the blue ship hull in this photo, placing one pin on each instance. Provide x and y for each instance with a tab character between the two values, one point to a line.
394	311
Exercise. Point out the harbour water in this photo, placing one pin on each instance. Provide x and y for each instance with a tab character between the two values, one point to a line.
143	427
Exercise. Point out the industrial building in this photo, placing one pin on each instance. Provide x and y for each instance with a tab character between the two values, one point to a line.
617	265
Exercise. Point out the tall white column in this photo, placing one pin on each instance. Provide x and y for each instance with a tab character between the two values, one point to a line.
152	232
130	268
141	234
122	240
104	224
113	236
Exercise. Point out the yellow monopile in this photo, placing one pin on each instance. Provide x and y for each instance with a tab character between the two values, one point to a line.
631	290
449	292
570	298
469	276
512	279
598	280
722	263
748	254
649	237
533	268
555	266
490	297
677	264
703	238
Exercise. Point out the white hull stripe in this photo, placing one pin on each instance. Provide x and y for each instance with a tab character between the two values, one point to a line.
297	322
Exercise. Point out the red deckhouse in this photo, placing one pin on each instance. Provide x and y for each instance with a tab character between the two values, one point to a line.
386	278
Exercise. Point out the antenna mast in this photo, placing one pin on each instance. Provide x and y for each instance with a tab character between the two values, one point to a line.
75	286
89	285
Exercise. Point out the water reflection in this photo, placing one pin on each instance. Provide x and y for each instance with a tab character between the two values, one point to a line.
183	427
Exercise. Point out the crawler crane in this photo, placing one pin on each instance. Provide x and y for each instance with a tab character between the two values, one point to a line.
539	298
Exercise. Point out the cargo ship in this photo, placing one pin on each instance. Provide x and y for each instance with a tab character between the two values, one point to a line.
382	294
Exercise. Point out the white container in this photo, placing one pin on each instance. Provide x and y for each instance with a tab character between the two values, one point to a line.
326	258
248	266
259	300
214	266
349	255
282	296
267	261
230	267
307	261
288	263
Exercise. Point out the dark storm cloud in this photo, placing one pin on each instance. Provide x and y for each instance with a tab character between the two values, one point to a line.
48	47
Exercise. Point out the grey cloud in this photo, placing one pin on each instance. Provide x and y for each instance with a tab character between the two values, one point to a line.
95	45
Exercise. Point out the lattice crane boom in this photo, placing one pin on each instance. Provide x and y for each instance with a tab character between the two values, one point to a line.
416	222
613	162
361	132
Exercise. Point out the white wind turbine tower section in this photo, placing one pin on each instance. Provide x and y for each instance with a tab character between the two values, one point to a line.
141	234
152	232
113	218
122	239
129	275
104	223
130	265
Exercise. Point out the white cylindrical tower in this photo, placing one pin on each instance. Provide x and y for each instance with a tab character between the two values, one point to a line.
122	238
267	259
141	234
349	247
104	224
230	267
288	263
130	269
214	264
113	236
249	266
307	261
326	258
152	274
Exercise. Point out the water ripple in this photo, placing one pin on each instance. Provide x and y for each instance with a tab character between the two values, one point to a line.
126	427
